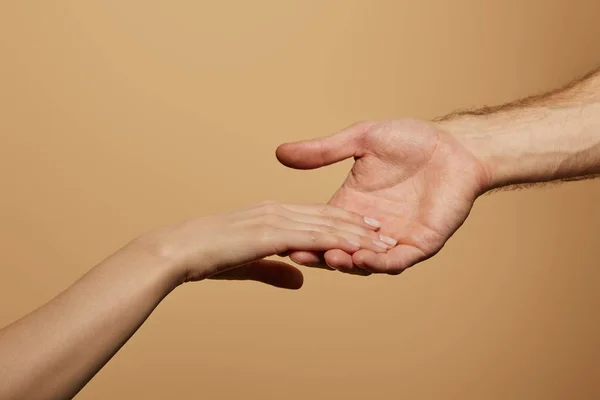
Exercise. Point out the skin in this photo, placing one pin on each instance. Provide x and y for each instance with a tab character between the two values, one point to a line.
416	180
421	178
54	351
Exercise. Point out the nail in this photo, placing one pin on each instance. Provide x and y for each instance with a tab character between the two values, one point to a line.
373	222
330	267
353	243
381	244
390	241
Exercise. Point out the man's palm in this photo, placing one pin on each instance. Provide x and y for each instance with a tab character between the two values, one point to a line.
418	180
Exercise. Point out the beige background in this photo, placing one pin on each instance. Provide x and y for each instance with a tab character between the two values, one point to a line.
118	116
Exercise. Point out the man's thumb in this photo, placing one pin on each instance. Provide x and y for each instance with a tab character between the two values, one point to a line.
315	153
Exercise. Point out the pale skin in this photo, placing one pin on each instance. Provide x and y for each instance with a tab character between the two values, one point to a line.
54	351
421	178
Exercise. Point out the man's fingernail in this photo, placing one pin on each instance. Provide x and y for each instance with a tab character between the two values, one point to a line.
390	241
381	244
373	222
353	243
330	267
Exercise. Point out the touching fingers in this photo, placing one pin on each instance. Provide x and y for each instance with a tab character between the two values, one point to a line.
342	262
364	239
309	259
341	220
278	240
326	219
328	212
393	262
331	260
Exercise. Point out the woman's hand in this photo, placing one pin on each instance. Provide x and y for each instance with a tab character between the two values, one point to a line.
54	351
233	245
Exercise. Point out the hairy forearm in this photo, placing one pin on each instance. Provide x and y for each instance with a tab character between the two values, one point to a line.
54	351
555	136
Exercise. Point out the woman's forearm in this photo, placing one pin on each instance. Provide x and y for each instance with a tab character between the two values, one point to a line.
54	351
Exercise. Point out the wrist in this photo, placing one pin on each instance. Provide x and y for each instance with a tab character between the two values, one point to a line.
535	144
159	259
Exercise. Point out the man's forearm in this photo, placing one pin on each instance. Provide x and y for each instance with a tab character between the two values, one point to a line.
542	138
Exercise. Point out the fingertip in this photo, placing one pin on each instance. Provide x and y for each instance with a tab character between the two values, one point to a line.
281	153
368	260
388	240
394	262
372	223
343	262
297	155
381	246
359	258
305	258
338	259
372	244
353	246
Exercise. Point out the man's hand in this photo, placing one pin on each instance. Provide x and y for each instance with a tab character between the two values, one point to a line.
419	180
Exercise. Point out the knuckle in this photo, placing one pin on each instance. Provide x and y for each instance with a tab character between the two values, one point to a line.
267	206
359	239
270	219
330	229
340	242
314	236
271	208
325	210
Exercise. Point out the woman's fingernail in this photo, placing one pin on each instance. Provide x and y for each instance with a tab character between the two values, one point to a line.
381	244
373	222
353	243
390	241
